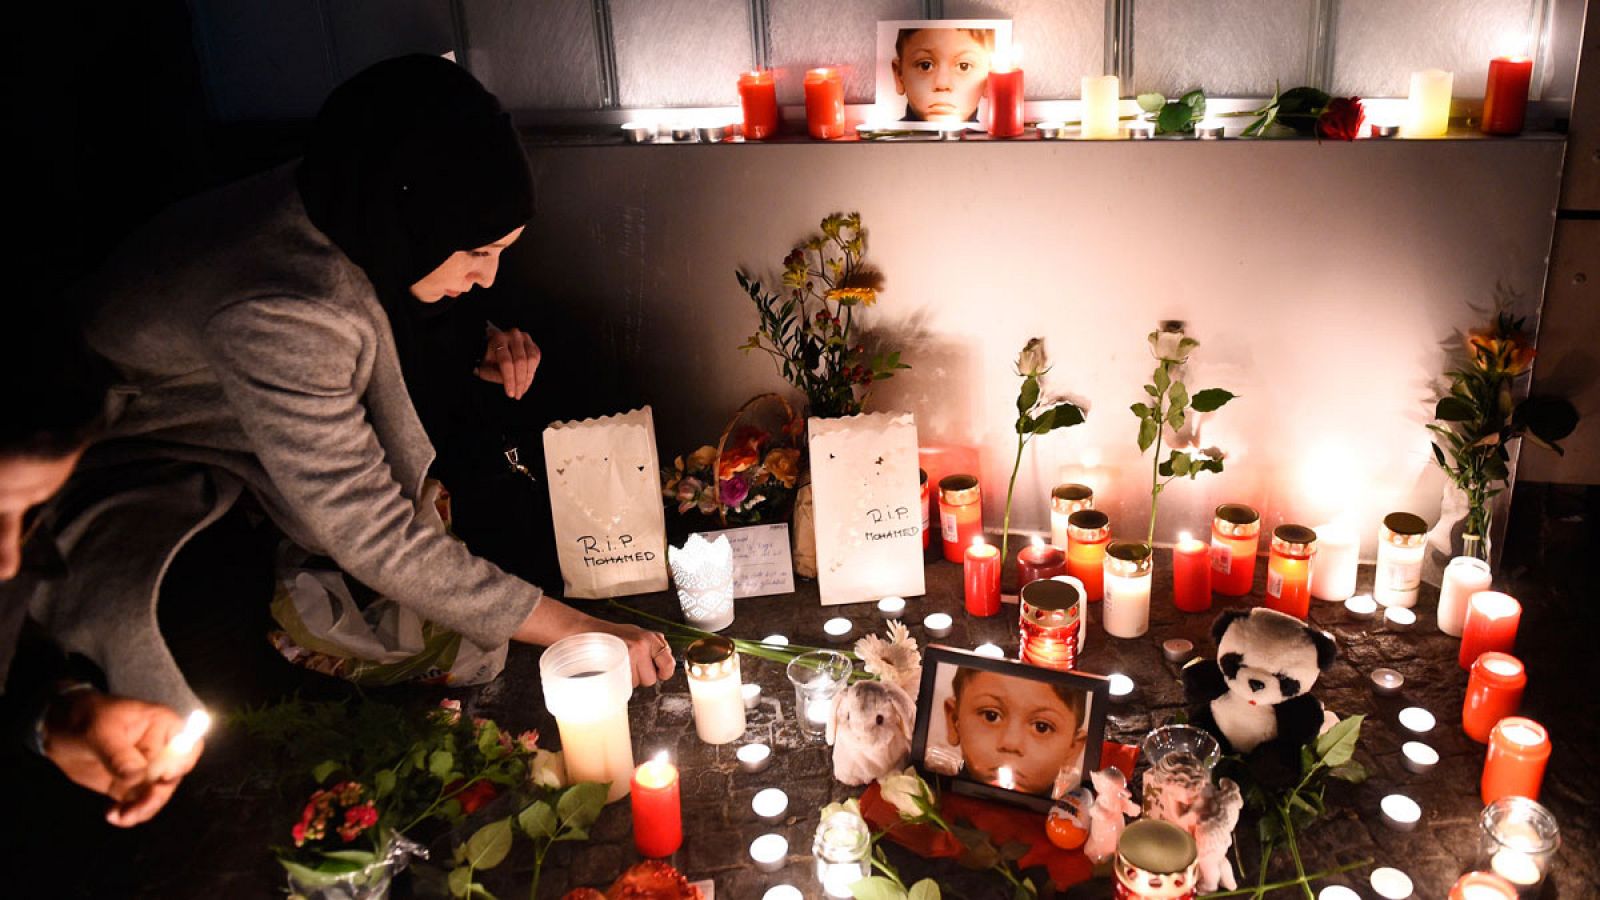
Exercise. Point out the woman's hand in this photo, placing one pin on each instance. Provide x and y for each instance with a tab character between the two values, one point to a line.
510	360
107	744
648	652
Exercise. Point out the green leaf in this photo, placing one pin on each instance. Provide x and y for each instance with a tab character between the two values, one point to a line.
1210	399
1063	415
440	763
1162	378
489	741
321	771
1175	418
1353	772
926	889
1142	410
1165	468
1195	100
1438	456
1151	390
1151	102
1029	395
460	881
876	888
1454	409
581	804
573	834
1174	118
1337	745
1179	462
1178	396
538	820
1147	434
489	845
383	782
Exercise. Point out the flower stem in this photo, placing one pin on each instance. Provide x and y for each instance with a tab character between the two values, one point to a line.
1005	524
1294	851
1263	887
1155	468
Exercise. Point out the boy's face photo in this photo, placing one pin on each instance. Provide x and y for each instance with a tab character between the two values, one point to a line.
941	72
1025	726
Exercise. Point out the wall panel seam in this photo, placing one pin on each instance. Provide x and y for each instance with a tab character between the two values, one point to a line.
606	47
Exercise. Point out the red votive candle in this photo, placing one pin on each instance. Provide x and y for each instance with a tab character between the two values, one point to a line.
1505	98
1235	537
1289	570
657	812
1039	561
1483	886
1088	534
824	104
1494	691
1492	619
1051	619
1004	93
758	97
982	578
1191	574
960	514
1514	767
927	520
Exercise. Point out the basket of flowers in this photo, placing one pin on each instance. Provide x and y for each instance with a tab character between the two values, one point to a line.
750	476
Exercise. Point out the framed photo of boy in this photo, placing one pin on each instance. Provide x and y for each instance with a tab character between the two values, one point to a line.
932	72
1006	730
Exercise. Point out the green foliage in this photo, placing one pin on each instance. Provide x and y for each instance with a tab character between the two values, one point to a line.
1035	416
1169	407
1177	116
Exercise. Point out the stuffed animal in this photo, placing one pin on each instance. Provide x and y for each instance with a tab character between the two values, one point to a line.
1254	697
1112	801
870	731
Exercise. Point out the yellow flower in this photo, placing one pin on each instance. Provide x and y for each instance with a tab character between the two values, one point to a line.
849	296
702	459
1499	353
783	463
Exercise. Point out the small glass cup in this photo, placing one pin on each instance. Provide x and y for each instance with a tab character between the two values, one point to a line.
841	847
818	677
1175	746
1518	839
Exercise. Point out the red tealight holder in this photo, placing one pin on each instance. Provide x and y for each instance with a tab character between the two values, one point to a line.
1519	748
1191	574
1052	620
982	571
1491	625
657	813
1039	561
758	98
1494	691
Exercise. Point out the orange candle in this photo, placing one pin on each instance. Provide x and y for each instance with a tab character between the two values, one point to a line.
982	571
1494	691
657	813
1514	767
824	104
960	514
1505	96
1235	536
758	97
1491	624
1088	533
1289	570
1191	574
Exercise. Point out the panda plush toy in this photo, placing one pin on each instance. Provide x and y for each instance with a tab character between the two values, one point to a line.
1255	696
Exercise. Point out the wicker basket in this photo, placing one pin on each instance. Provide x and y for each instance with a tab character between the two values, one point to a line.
753	407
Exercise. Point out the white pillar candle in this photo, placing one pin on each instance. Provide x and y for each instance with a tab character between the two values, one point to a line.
1428	106
1099	117
715	691
587	680
1125	609
1333	577
1464	577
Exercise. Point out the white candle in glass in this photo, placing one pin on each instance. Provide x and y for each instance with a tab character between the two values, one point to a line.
1125	609
1463	577
587	680
1428	105
715	691
1333	577
1100	102
1401	545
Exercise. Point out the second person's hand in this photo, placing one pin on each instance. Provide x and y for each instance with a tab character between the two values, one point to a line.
511	359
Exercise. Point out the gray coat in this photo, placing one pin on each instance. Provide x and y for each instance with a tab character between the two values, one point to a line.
255	354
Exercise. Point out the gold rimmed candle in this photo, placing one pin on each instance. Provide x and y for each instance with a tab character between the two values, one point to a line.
1066	499
714	690
1400	548
1289	570
1126	611
1235	536
1051	618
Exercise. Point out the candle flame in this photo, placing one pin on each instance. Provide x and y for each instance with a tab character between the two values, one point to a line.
1005	59
1185	537
660	758
194	728
979	541
1038	541
1515	46
1005	779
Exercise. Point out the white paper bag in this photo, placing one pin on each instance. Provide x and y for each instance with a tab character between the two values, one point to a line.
866	494
605	496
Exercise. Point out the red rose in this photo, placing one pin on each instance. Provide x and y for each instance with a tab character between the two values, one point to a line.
1341	120
475	796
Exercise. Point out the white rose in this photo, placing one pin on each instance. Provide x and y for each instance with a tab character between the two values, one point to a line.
1032	360
850	806
1171	345
902	789
546	769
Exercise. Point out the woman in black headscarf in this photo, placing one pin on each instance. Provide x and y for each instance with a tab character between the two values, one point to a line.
260	332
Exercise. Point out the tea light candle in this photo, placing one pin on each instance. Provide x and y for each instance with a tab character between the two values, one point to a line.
711	134
1428	105
1100	101
1209	130
1391	883
1333	578
776	640
769	852
1121	687
1039	561
1494	691
1361	607
682	133
751	694
938	624
837	629
1491	624
1519	838
1515	868
1519	748
1140	130
758	99
783	892
824	91
891	607
657	814
1416	719
992	651
1051	131
1419	757
770	804
1400	812
1177	650
1463	577
1004	93
638	132
754	757
1191	574
1399	618
1337	892
1387	682
1483	886
982	578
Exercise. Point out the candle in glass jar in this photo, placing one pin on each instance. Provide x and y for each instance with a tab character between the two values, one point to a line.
1463	577
1191	574
714	690
587	680
1505	95
1100	100
1088	533
1065	500
1003	91
1235	536
1400	548
1052	621
1518	839
758	98
824	89
1428	105
1518	750
960	514
982	571
1039	561
657	814
1289	570
1127	589
1491	624
1482	886
1494	691
1333	578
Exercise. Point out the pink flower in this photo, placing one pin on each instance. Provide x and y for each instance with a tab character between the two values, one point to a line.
450	711
735	490
688	493
528	741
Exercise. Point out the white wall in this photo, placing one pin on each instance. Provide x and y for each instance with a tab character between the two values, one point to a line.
1324	281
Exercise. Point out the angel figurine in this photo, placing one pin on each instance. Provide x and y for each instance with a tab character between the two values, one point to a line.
1112	802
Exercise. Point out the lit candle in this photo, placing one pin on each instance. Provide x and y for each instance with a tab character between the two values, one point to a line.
1100	102
769	852
1399	618
1419	757
1210	130
1289	570
1337	892
1482	886
824	89
638	132
1004	93
818	677
1416	719
841	845
770	804
1400	812
1140	130
1235	536
1004	778
776	640
1519	838
1391	884
1051	131
982	578
992	651
587	680
1387	682
702	571
754	757
1514	766
751	694
1400	547
1428	106
1505	95
1127	586
758	97
960	514
1491	624
1121	687
1177	650
657	815
714	690
1088	533
1516	868
938	624
1494	691
1334	576
1191	574
1051	619
1065	500
837	629
1463	577
892	607
783	892
1361	607
1040	560
178	750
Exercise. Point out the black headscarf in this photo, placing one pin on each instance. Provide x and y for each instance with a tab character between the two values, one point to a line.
409	162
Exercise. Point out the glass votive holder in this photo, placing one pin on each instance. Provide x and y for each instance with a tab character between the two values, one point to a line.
1051	618
1189	740
818	677
841	847
1518	840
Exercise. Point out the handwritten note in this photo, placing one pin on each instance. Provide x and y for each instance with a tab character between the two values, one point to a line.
761	563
